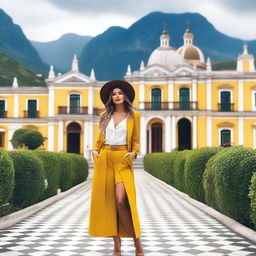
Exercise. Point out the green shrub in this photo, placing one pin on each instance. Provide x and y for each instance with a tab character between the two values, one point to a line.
80	168
51	167
27	138
232	177
252	195
179	169
194	170
67	171
29	178
6	177
160	165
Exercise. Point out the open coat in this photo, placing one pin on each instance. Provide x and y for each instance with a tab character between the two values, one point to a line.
103	220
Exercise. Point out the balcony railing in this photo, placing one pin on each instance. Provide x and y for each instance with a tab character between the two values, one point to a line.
3	114
63	110
226	107
174	105
31	114
97	111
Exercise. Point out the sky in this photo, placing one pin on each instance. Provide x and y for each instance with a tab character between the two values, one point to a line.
47	20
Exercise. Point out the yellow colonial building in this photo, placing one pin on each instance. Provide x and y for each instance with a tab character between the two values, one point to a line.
183	103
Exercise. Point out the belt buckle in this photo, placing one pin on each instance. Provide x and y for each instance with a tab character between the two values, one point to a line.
114	147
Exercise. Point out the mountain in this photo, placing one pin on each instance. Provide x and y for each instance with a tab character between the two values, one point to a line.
110	52
61	52
11	68
14	43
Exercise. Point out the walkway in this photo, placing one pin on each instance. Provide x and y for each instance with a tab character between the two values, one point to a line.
169	226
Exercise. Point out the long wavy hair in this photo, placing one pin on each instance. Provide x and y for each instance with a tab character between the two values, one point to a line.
110	109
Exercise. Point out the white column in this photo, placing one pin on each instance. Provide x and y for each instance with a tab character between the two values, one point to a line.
209	94
209	132
173	131
143	136
16	105
86	140
11	129
240	95
194	131
141	95
60	135
168	147
51	101
241	131
90	100
170	93
51	136
194	93
90	139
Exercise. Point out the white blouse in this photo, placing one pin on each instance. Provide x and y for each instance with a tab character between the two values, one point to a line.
116	136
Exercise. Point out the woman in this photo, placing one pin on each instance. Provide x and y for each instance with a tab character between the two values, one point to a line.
113	211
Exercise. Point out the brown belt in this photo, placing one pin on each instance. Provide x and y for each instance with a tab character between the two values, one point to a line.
115	147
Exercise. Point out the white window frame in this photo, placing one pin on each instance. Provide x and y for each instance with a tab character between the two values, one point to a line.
37	104
156	88
5	103
75	93
254	138
253	100
190	93
226	90
231	135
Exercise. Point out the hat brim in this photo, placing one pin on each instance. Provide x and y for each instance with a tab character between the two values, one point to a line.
106	88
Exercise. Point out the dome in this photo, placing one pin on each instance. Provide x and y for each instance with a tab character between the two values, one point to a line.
165	56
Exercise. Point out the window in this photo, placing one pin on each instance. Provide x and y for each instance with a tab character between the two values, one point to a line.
32	108
225	101
74	103
184	98
225	137
253	100
2	108
156	98
2	139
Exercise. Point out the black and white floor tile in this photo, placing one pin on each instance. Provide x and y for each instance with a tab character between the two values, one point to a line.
169	226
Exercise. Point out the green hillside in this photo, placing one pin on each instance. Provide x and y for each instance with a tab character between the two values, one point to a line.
10	68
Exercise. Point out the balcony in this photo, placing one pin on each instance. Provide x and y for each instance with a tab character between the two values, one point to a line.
174	105
3	114
64	110
97	111
226	107
31	114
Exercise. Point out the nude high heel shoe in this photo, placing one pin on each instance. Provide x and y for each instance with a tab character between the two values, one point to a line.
118	240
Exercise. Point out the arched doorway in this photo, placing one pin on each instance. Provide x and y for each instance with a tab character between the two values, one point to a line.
184	134
73	138
155	136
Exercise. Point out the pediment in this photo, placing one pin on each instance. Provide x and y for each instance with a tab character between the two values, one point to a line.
73	78
184	72
155	71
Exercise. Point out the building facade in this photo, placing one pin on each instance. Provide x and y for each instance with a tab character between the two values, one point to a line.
184	104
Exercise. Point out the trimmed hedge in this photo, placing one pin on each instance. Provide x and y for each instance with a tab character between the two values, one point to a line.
51	168
194	170
232	176
159	165
6	177
178	166
29	178
252	195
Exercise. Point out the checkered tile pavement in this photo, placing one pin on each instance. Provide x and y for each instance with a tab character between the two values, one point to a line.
169	226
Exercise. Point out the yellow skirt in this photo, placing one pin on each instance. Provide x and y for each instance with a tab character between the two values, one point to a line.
110	168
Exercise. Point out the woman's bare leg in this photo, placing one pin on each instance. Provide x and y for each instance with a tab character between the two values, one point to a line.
125	215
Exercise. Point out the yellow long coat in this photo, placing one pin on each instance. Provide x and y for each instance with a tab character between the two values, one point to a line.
103	220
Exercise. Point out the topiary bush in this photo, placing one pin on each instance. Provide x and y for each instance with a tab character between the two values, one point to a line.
252	195
27	138
179	169
51	168
160	165
29	178
194	170
232	176
6	177
80	168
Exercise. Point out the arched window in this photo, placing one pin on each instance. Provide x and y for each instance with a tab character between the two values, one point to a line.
156	98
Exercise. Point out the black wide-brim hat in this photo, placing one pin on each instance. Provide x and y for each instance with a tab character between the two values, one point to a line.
106	88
